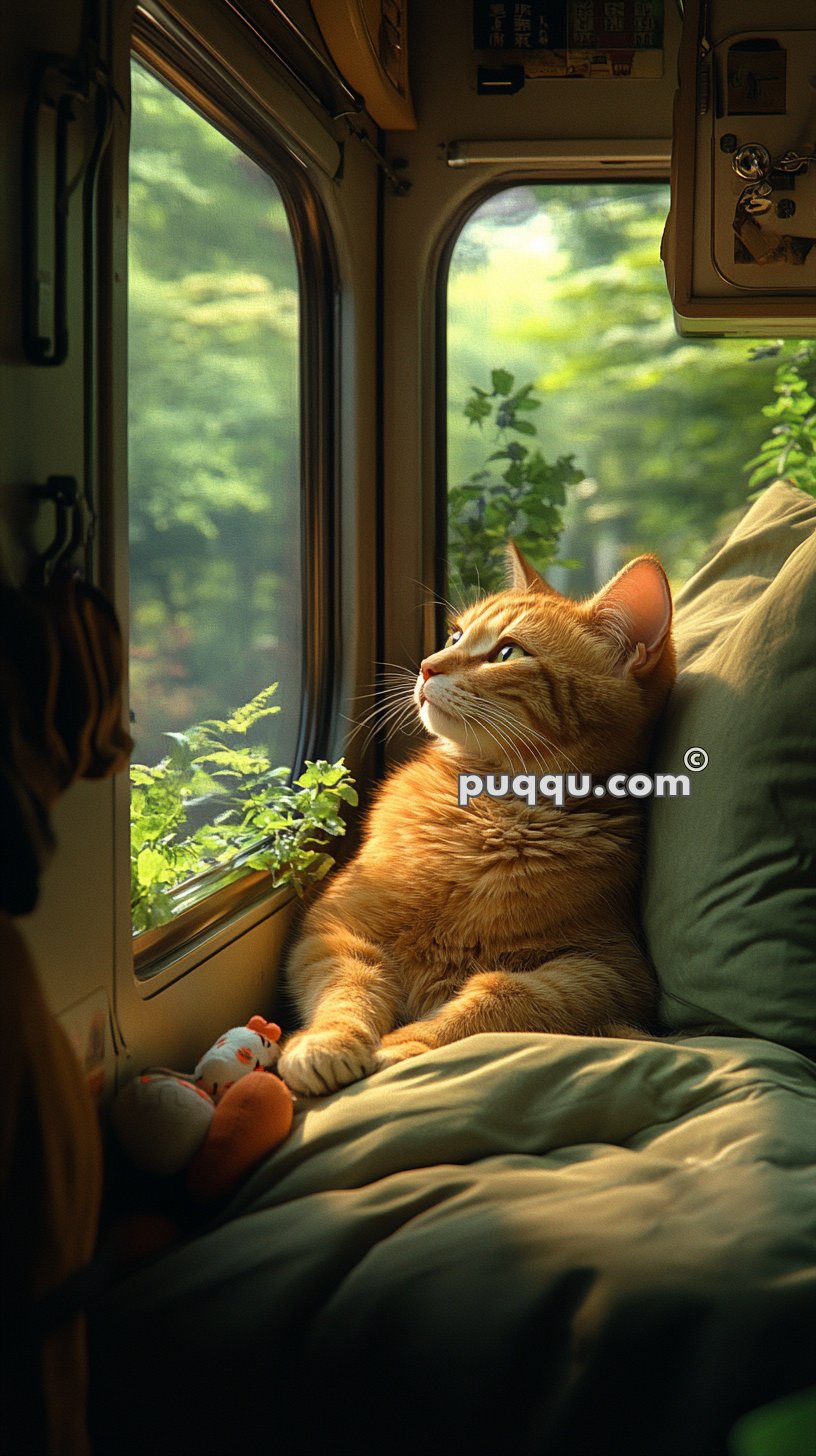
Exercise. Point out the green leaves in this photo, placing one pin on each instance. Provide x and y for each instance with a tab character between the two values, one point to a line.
521	502
478	407
252	712
790	449
255	814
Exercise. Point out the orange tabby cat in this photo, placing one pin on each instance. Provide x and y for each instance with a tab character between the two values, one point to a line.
498	915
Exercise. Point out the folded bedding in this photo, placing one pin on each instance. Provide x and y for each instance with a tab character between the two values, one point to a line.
516	1244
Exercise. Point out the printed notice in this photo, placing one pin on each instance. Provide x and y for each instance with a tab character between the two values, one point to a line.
573	37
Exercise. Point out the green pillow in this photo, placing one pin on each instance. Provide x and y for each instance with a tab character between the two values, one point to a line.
786	1427
730	888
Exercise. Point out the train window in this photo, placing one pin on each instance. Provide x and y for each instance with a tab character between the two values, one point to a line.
215	493
578	421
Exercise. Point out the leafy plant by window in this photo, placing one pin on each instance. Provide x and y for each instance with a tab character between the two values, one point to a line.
250	816
790	449
522	498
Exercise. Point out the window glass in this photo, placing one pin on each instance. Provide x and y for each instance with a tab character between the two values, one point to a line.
214	466
640	440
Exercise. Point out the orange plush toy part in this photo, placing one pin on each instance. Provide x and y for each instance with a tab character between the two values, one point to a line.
252	1117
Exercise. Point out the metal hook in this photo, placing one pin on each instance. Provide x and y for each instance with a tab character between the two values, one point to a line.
64	491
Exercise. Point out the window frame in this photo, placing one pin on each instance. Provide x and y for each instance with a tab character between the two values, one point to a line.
231	908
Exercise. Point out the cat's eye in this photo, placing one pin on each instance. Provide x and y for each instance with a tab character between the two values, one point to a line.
454	637
509	651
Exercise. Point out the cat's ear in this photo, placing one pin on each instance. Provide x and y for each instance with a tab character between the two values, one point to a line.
635	611
520	575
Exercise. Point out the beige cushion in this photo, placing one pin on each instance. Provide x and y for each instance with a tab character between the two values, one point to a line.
730	892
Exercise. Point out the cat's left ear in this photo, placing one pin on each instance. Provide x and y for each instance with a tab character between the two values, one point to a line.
521	576
635	611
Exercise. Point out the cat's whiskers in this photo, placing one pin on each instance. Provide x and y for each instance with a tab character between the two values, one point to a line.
503	744
440	600
496	728
521	756
401	679
387	699
387	708
400	667
380	727
391	703
519	738
512	730
385	691
398	716
407	724
467	727
551	751
358	728
531	732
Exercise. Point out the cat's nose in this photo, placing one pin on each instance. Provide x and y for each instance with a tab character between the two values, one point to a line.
427	671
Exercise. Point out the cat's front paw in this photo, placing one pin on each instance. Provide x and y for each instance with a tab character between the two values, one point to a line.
399	1051
314	1063
406	1041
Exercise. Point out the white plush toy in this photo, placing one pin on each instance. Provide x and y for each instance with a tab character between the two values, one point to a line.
163	1118
249	1048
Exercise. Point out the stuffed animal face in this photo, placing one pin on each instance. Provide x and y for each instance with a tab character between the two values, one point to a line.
244	1049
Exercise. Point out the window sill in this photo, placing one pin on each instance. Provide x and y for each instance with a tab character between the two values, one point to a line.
168	951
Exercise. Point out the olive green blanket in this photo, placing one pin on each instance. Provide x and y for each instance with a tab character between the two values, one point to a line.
515	1244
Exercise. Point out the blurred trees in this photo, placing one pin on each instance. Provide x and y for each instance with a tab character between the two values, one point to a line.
562	284
213	427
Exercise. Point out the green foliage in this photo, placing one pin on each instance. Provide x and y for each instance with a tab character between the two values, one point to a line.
790	449
521	501
565	279
249	810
